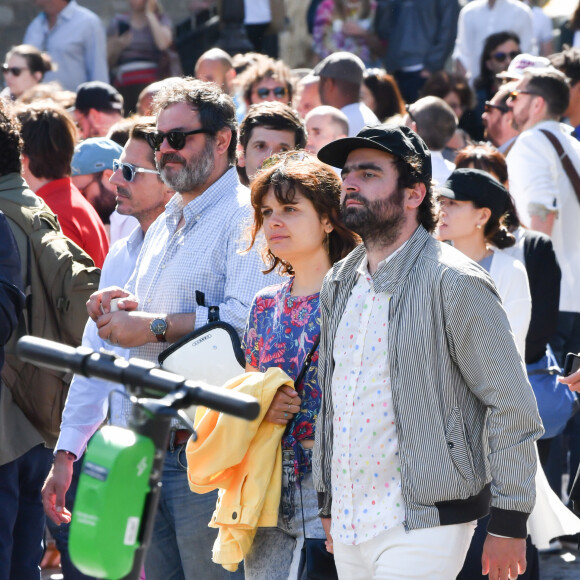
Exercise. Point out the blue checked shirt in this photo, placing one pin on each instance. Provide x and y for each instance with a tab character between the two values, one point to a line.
203	255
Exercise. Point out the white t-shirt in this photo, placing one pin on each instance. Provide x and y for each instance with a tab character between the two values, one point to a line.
257	12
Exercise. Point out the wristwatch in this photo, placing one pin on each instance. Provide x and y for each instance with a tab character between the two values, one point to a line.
159	328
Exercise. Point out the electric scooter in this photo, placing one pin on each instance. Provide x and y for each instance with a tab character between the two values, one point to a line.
120	482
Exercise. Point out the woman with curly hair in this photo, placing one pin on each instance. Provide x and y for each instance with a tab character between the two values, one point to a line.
296	201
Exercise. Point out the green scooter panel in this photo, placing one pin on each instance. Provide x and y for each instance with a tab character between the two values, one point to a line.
109	504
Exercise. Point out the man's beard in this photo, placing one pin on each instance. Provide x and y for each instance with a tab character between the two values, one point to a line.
378	223
194	173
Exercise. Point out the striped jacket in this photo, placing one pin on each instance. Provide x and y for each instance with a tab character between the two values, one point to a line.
465	413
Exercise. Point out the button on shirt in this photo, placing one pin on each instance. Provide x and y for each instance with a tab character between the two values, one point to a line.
77	43
366	475
203	255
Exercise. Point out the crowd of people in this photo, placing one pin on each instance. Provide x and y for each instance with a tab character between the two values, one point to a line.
393	228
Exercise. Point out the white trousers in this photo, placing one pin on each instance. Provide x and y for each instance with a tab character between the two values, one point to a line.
435	553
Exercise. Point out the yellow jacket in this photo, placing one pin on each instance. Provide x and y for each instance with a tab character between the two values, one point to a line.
243	459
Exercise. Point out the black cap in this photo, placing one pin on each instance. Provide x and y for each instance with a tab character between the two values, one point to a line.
398	140
477	186
100	96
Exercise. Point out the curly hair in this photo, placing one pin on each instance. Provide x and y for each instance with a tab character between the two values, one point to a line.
262	69
10	142
215	108
300	172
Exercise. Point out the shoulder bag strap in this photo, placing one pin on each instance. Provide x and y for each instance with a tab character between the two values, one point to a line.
566	162
307	362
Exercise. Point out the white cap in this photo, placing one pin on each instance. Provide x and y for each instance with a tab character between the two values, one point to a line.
521	63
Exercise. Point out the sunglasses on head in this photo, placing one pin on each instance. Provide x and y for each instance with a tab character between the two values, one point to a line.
278	92
277	158
501	56
489	106
130	171
176	139
13	70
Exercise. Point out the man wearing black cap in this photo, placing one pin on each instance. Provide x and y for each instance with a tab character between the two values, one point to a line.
98	106
341	76
427	420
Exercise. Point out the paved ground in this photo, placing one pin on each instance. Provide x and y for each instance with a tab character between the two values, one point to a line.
564	565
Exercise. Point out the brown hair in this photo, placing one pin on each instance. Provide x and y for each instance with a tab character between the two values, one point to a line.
262	69
485	157
388	99
10	141
36	60
49	136
304	173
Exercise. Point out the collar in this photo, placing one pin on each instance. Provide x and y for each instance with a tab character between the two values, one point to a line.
135	241
392	271
226	185
65	14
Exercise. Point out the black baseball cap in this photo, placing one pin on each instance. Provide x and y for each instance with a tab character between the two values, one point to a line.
477	186
100	96
398	140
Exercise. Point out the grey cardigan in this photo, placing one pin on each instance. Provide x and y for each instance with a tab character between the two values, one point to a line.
466	416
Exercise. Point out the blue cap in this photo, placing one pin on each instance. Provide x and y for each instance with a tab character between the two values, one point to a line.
95	155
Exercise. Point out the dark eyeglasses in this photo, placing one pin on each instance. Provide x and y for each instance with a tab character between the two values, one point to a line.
176	139
130	171
501	56
278	92
514	94
489	106
13	70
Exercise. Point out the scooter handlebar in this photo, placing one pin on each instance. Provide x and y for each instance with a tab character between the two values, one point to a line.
133	373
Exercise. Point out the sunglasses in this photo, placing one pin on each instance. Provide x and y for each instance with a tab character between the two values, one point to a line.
501	56
176	139
489	106
13	70
130	171
279	158
278	92
514	94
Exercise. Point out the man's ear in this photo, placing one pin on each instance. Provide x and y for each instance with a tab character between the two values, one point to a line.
241	156
415	195
223	138
105	180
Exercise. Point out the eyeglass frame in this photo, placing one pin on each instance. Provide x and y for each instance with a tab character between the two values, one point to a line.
134	169
280	158
515	93
266	92
153	136
12	69
503	108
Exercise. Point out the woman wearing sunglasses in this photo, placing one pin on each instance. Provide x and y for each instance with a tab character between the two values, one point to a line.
296	207
23	68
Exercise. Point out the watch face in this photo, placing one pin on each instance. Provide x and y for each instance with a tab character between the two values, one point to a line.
158	326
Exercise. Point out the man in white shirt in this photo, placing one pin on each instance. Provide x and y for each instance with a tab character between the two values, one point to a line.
434	120
141	194
544	194
341	76
479	19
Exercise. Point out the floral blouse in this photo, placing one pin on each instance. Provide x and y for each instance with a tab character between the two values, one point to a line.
281	331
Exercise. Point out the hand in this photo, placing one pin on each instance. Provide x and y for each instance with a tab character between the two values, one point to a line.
126	329
284	405
503	558
55	488
326	523
573	381
100	301
151	6
352	28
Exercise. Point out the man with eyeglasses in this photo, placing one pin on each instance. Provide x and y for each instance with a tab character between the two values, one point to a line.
192	248
139	193
497	120
92	166
546	198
